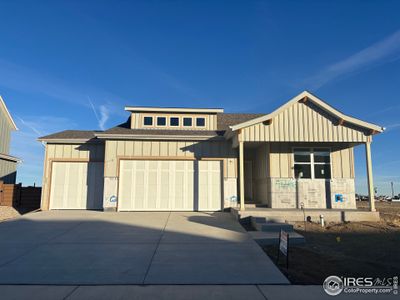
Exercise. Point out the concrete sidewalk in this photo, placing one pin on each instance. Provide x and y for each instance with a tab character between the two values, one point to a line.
176	292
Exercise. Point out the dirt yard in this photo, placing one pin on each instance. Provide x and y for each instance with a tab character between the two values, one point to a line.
358	249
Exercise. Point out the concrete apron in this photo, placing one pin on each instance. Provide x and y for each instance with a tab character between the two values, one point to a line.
97	248
297	215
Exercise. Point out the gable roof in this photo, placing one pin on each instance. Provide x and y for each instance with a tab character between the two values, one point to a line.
307	96
8	115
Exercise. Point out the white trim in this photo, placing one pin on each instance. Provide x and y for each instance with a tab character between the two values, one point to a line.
312	163
166	121
174	126
205	122
9	157
158	137
8	114
316	101
183	120
173	109
152	121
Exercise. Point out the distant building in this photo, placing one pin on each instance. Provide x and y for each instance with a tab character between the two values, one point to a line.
8	163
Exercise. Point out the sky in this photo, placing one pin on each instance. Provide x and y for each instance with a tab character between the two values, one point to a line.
76	64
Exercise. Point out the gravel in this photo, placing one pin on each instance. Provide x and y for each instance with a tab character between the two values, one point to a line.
7	212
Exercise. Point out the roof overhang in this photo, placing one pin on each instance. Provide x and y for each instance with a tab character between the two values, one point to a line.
10	119
307	96
69	141
174	109
158	137
10	158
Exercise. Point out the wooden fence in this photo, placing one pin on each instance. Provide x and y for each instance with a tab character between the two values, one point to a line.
17	196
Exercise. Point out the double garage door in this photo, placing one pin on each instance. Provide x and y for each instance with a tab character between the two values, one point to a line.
77	185
156	185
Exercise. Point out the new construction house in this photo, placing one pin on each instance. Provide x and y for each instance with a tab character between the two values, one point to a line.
202	159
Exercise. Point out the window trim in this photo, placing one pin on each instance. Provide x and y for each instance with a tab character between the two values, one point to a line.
174	126
183	122
205	122
152	121
166	121
312	162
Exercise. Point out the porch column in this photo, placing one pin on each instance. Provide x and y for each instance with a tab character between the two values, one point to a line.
241	175
371	190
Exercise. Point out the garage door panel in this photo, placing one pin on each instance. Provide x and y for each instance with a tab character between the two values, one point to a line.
169	185
74	185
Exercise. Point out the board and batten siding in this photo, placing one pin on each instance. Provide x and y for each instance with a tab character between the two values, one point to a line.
303	122
8	171
67	152
5	132
281	159
169	150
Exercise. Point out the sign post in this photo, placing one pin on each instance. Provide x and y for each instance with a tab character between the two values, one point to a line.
284	246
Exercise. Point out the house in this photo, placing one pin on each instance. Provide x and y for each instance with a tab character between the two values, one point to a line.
185	159
8	163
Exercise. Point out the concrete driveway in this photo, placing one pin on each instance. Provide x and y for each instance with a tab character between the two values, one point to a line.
88	247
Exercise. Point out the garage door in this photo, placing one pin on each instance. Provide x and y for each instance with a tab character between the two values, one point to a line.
169	185
76	185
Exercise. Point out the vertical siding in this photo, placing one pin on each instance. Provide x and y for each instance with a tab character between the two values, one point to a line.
281	159
303	123
67	152
167	149
8	171
5	133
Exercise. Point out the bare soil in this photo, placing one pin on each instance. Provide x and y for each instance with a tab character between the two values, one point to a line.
356	249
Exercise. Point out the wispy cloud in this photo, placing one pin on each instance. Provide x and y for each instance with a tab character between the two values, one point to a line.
392	127
104	114
379	53
24	144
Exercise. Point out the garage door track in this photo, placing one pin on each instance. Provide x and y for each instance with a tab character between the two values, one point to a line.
89	247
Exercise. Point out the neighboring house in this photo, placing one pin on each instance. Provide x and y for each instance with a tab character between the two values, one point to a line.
204	159
8	163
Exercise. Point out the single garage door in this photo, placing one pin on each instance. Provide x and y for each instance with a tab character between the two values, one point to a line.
170	185
77	185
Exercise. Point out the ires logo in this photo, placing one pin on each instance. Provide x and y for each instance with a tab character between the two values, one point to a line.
334	285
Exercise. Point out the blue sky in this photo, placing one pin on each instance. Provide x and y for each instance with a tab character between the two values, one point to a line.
75	64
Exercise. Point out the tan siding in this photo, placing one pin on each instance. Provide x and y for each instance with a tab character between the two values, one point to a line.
303	123
170	149
281	159
69	152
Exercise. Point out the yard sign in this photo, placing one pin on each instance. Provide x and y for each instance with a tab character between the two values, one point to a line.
284	246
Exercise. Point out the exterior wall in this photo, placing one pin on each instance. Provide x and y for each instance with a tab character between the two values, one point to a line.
260	174
304	122
8	171
5	132
137	120
277	187
93	152
173	150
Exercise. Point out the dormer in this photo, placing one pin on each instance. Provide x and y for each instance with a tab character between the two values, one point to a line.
173	118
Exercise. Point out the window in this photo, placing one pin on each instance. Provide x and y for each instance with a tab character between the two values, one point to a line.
200	122
187	122
302	163
322	163
148	121
174	121
161	121
312	163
